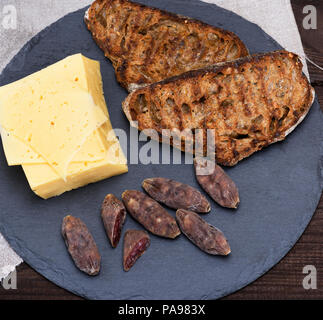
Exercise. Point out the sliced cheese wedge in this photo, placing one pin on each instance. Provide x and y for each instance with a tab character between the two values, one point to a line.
57	126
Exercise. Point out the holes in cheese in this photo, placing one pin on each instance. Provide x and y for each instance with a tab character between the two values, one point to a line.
17	152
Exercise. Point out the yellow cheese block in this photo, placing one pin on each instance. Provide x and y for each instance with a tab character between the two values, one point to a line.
59	116
56	103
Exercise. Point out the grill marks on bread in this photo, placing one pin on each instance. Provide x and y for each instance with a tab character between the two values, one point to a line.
250	103
147	45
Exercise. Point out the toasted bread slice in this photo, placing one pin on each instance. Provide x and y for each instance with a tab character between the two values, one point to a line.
250	103
147	45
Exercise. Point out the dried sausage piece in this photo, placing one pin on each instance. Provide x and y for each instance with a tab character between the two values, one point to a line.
202	234
81	245
150	214
216	183
176	195
136	242
113	214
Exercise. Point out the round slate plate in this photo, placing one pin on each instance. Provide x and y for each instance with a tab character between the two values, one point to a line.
280	189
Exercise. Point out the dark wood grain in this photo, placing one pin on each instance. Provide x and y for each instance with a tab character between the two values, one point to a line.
284	281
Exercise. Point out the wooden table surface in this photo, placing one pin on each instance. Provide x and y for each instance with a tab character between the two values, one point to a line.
284	281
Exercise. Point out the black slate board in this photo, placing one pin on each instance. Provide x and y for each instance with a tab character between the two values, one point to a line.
280	188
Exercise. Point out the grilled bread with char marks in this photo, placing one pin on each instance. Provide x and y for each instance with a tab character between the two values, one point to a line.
250	103
147	45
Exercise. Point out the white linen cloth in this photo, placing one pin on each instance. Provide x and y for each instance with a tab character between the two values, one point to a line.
273	16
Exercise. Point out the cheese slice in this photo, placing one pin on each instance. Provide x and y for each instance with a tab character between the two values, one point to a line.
18	153
59	107
46	183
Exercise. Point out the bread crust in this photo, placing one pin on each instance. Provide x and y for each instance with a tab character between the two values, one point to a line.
147	45
249	104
